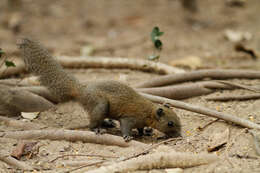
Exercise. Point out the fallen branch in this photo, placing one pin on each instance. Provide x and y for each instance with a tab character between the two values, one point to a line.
20	124
105	62
14	163
198	75
99	62
71	135
157	160
233	97
204	111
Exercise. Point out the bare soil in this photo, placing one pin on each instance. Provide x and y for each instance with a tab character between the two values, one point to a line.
119	28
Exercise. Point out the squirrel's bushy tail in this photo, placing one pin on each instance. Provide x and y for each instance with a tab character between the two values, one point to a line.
39	61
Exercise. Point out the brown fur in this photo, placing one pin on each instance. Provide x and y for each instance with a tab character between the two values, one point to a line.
101	99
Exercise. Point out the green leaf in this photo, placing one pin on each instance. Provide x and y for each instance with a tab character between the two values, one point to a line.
9	64
158	44
153	57
156	33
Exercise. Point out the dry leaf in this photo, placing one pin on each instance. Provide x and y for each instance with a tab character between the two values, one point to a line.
30	115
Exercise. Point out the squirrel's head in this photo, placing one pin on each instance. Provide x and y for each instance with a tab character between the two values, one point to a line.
166	121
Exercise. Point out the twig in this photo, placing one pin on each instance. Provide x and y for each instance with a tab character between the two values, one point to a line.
205	111
86	155
15	163
84	166
71	135
198	75
233	97
208	124
226	150
21	124
149	149
158	160
256	142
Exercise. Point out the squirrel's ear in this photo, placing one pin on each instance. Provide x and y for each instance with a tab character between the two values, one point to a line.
159	113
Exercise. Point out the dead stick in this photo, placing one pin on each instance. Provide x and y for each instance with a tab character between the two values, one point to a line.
21	124
233	97
198	75
71	135
205	111
158	160
13	162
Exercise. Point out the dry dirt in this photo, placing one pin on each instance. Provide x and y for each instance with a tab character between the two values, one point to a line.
119	28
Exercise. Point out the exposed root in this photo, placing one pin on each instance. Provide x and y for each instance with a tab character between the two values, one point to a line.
184	91
20	124
14	163
233	97
99	62
71	135
39	90
198	75
13	102
204	111
158	160
105	62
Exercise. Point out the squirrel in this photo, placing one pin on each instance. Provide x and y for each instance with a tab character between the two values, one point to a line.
100	99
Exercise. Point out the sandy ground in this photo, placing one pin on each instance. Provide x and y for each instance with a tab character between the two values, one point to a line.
118	28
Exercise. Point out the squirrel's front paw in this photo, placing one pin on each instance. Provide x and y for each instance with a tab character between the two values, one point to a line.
127	138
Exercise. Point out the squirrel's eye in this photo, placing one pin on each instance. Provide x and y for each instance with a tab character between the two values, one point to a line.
159	112
170	124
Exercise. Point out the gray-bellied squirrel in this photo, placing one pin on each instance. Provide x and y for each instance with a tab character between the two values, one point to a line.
101	99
